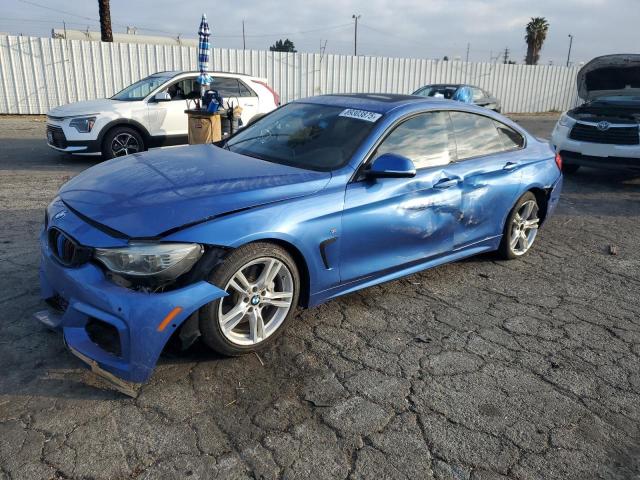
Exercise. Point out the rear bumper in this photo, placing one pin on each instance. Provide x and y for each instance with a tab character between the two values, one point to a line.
554	197
136	317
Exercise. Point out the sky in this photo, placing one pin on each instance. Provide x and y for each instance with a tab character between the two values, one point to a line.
395	28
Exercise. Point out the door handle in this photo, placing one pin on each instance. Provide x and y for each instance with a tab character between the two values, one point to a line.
509	166
249	104
446	183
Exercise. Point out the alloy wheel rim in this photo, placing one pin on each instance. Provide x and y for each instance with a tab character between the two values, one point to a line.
124	144
260	294
524	227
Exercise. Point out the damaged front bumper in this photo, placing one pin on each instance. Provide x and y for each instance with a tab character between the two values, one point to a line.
138	324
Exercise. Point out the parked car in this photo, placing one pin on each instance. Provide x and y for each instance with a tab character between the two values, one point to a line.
604	131
477	95
322	197
149	113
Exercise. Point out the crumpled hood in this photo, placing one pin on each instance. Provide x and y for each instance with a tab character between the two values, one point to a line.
86	107
146	194
610	75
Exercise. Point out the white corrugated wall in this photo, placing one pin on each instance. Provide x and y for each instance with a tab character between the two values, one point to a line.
37	74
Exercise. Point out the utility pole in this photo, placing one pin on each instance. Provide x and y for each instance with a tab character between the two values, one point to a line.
569	54
506	55
355	36
468	47
105	21
244	43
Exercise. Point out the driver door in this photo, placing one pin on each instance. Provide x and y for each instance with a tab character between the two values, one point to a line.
167	120
390	223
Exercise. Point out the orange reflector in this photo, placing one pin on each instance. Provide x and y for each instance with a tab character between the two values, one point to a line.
168	318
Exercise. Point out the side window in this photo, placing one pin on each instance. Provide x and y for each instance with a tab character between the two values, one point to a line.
182	89
477	94
510	138
476	135
245	91
425	139
227	87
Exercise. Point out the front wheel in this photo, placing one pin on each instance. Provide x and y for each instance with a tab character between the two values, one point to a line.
263	285
521	228
121	141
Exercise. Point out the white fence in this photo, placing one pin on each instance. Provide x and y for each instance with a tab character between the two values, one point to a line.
37	74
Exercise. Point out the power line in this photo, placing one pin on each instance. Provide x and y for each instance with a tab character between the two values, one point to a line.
173	33
28	2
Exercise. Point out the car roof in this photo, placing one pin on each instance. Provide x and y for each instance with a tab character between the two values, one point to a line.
175	73
373	102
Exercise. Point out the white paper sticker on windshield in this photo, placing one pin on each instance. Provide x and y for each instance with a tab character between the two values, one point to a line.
360	114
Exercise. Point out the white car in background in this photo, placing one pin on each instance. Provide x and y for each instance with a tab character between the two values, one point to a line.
603	132
149	113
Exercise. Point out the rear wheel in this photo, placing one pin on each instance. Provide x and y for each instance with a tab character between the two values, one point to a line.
521	228
263	284
121	141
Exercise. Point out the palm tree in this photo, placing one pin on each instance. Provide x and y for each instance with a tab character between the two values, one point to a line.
537	30
105	21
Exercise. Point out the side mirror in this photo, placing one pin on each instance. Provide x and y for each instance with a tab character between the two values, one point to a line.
391	165
162	97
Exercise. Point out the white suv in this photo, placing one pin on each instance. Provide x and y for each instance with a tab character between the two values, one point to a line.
149	113
604	131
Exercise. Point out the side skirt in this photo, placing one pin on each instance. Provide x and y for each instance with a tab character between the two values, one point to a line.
486	245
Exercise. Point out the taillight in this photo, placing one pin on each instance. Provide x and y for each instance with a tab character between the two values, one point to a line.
559	161
276	97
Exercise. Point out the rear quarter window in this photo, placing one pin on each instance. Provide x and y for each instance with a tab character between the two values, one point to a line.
476	135
511	139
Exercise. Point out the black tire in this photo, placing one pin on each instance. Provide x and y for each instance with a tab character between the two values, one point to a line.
505	250
210	327
109	143
570	168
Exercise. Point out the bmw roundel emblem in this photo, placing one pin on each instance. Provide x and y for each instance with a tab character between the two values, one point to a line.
604	125
60	215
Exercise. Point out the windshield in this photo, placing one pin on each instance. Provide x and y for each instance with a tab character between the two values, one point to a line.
305	135
142	88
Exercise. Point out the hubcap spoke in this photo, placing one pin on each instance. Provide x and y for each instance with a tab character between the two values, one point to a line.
240	283
528	208
256	325
514	239
278	299
269	272
231	319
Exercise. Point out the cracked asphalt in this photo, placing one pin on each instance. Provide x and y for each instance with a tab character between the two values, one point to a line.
482	369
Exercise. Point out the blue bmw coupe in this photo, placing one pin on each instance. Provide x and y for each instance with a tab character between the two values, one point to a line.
322	197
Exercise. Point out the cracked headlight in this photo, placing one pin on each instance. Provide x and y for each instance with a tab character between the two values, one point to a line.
83	125
162	261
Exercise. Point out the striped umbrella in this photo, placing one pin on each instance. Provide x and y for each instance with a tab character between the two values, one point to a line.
203	53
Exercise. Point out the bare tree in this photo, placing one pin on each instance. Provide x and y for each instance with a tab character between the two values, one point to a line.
537	30
105	21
